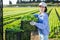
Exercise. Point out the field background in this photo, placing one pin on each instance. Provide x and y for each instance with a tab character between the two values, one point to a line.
12	19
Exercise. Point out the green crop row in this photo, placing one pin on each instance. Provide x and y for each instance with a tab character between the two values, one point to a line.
53	23
19	16
58	9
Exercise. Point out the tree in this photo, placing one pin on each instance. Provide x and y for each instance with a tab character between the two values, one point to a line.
38	0
17	1
33	0
10	2
30	0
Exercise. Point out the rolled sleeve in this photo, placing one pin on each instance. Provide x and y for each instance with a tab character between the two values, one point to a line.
36	15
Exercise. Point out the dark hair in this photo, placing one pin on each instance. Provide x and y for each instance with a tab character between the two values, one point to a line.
45	9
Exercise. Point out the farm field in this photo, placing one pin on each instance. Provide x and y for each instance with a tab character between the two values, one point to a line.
12	18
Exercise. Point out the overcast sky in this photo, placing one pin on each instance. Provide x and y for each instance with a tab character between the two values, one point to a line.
7	2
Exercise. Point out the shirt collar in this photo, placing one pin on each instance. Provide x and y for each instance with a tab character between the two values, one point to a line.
42	13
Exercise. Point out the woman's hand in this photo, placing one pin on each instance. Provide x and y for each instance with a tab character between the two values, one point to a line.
32	23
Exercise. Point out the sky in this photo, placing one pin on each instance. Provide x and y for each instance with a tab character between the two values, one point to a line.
6	2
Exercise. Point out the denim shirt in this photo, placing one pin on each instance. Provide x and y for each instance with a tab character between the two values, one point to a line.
42	24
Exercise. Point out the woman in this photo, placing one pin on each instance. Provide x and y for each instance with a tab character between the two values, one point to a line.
42	24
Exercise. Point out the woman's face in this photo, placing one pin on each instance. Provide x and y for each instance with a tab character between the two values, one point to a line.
41	9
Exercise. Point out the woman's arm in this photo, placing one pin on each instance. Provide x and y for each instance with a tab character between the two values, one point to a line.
44	24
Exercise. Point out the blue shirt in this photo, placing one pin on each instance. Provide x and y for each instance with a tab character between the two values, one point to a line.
42	24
